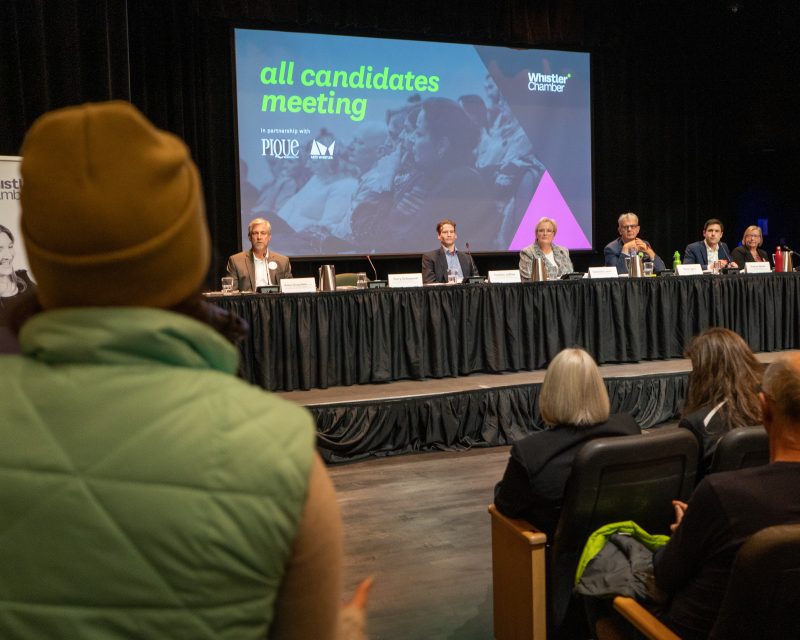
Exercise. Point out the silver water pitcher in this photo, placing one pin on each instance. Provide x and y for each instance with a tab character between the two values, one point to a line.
327	278
538	270
636	268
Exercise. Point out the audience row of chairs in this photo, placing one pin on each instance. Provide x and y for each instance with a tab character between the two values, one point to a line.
612	480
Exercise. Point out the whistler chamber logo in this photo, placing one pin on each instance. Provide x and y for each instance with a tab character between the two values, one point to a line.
321	152
547	83
280	148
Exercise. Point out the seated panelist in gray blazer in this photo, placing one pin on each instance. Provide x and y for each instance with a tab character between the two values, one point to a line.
259	266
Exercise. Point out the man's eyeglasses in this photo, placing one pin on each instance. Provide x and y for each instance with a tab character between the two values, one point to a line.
628	226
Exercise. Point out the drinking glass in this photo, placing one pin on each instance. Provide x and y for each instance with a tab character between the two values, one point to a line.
227	284
452	276
361	280
648	269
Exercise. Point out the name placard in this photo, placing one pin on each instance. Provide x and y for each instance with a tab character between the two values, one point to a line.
603	272
401	280
689	270
298	285
757	267
506	275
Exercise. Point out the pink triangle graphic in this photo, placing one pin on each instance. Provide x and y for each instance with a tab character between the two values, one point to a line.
548	201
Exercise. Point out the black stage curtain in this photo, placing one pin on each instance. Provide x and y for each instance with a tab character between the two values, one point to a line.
303	341
680	88
485	418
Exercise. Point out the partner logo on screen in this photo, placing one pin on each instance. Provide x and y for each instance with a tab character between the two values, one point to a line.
547	83
321	152
280	148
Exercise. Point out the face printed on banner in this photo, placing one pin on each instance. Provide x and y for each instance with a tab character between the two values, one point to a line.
427	152
712	234
447	236
7	254
259	238
629	229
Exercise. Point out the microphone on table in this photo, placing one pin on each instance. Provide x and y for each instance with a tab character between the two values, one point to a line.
372	265
474	266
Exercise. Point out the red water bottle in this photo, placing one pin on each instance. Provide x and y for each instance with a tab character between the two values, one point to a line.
778	259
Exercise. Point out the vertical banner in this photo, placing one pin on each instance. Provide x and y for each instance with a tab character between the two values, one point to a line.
13	261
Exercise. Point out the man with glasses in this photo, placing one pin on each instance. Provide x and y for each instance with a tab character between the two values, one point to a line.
629	243
259	266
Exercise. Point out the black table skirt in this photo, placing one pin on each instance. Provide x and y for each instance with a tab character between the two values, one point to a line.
304	341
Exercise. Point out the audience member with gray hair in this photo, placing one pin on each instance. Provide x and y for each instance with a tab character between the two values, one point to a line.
575	409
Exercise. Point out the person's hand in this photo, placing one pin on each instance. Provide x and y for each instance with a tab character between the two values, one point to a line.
352	617
680	511
503	180
642	246
359	600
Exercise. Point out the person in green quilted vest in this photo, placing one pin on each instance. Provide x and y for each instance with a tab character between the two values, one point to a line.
145	490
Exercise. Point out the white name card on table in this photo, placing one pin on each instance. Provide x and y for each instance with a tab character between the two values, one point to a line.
757	267
603	272
506	275
400	280
689	270
298	285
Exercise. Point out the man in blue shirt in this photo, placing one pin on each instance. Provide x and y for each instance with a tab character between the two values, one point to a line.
435	264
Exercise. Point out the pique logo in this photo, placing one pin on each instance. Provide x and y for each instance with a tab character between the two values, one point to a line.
547	83
321	152
280	148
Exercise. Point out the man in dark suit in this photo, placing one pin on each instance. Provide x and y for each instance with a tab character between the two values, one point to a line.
710	249
435	264
259	266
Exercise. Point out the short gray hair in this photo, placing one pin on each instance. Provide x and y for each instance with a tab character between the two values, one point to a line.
628	214
573	392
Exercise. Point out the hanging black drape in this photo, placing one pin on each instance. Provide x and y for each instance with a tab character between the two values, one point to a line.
320	340
681	90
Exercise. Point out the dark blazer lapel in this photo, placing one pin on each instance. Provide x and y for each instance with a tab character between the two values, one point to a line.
441	266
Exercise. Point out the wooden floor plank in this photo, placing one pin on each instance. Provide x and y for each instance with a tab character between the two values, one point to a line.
419	524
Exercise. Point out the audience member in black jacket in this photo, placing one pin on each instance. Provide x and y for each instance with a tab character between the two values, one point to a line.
575	407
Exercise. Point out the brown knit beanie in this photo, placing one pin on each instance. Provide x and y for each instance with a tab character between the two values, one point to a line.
112	210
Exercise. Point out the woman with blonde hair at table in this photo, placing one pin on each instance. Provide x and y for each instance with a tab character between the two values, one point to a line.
556	258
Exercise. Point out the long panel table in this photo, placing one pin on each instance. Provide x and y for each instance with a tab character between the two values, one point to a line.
304	341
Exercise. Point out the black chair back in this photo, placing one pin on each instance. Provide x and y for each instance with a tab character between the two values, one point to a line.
740	448
616	479
763	596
